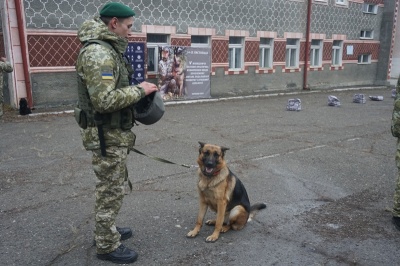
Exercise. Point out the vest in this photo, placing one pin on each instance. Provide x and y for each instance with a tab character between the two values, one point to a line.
86	116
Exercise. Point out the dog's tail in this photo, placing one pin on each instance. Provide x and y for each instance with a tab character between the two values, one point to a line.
254	210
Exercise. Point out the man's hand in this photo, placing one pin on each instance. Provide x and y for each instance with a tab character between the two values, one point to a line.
148	87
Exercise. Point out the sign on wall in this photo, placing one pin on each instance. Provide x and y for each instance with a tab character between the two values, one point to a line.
349	50
135	54
184	72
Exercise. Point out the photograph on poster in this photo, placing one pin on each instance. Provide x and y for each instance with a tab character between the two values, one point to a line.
168	80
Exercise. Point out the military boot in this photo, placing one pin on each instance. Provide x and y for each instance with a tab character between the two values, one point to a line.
122	255
125	233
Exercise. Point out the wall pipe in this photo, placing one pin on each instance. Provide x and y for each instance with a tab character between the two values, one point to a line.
21	33
307	51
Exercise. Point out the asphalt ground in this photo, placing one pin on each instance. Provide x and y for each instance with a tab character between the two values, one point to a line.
327	175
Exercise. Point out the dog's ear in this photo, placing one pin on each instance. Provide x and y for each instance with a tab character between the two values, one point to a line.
223	149
201	146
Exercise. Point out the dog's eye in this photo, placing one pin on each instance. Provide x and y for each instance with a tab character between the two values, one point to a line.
216	155
207	153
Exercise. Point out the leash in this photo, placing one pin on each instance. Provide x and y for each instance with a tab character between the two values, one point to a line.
160	159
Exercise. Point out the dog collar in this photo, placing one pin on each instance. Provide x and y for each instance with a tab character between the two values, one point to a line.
217	172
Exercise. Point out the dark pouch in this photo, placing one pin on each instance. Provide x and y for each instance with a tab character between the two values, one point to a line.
80	117
127	119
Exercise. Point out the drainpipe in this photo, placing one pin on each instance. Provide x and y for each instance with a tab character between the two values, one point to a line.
21	33
307	52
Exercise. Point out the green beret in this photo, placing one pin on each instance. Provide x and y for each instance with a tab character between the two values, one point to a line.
117	10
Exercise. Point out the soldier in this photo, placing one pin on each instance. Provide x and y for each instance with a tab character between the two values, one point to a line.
165	69
105	114
4	67
396	133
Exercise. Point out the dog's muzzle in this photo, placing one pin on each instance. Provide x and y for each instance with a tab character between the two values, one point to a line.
209	171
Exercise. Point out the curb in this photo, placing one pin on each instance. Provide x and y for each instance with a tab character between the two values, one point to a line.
235	98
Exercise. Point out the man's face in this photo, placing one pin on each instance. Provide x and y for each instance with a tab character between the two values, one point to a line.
122	27
165	54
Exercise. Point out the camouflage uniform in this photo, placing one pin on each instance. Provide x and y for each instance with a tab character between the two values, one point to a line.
105	76
167	81
4	67
396	198
396	133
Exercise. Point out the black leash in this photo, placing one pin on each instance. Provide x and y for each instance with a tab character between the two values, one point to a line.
160	159
135	81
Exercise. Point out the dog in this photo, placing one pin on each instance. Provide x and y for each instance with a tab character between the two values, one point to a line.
23	107
221	191
180	75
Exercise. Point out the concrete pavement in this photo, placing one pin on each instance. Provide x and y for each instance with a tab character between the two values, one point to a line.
327	175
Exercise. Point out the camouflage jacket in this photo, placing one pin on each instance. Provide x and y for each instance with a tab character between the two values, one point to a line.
4	67
396	113
101	69
165	69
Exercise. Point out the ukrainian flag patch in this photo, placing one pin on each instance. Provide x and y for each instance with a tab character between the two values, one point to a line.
107	74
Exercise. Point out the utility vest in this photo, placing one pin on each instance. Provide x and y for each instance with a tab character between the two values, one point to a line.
86	116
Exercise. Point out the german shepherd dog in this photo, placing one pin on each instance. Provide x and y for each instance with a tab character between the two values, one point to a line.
223	192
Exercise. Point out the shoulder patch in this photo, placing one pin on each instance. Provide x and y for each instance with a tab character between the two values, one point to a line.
106	73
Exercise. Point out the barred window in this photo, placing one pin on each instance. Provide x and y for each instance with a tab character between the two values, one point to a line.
292	53
200	41
153	41
266	52
236	53
337	51
367	34
364	59
316	53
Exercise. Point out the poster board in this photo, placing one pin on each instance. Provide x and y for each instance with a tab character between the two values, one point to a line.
184	72
135	54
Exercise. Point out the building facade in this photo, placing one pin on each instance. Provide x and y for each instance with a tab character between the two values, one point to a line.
256	46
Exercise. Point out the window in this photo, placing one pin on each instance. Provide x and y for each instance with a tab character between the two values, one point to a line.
153	41
316	53
200	41
342	3
292	53
370	8
266	52
367	34
235	53
364	59
337	51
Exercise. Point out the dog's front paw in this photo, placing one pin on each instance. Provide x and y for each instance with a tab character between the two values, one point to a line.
192	233
212	238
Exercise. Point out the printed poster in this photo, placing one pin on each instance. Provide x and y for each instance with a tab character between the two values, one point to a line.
136	56
184	72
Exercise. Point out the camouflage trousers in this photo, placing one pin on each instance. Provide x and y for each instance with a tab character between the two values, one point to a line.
111	173
396	198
